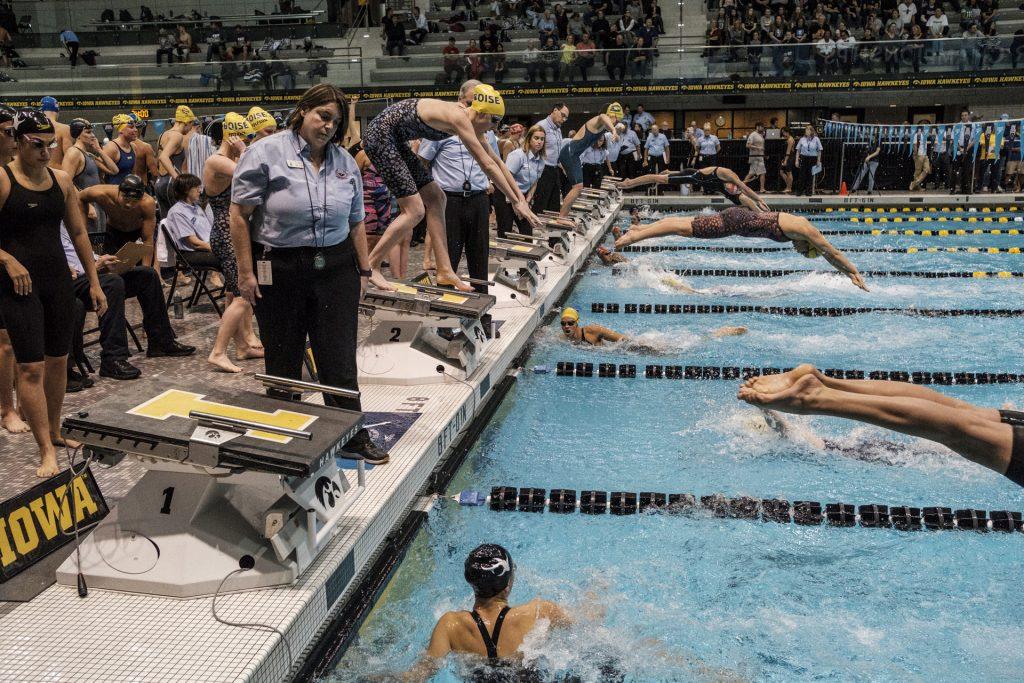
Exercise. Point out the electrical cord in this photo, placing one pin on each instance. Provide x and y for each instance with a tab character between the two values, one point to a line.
251	626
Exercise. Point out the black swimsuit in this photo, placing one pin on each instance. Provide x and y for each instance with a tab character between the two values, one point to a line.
1015	418
707	183
490	639
386	142
39	323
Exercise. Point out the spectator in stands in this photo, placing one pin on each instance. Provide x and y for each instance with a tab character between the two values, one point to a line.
616	59
891	49
656	154
626	25
498	63
971	48
393	33
70	42
808	155
938	27
215	42
241	49
602	30
915	47
474	65
165	47
825	53
568	59
754	51
184	43
1017	47
546	26
709	148
585	52
846	49
420	26
6	47
907	12
870	52
452	62
640	58
531	60
549	59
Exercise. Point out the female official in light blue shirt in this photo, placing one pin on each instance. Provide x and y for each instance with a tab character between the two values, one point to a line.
808	155
526	164
297	228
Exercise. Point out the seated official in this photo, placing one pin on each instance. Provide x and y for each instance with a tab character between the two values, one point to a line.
141	282
189	224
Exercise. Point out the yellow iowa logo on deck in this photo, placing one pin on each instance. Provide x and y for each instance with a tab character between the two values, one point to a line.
178	403
44	518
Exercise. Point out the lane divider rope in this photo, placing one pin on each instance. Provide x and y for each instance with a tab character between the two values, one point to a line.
952	232
921	209
715	372
783	272
780	511
819	312
644	249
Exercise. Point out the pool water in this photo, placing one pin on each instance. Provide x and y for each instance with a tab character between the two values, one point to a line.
694	597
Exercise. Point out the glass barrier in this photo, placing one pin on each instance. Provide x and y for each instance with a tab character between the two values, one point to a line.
267	69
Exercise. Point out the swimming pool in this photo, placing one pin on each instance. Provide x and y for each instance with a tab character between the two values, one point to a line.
690	596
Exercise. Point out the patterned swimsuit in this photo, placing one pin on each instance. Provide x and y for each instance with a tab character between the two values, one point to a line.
386	142
739	221
220	239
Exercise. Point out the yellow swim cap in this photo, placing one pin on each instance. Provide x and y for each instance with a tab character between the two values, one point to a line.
183	114
236	125
260	119
615	111
811	251
488	100
120	121
570	313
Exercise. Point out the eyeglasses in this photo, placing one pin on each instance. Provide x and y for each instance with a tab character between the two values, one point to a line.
41	144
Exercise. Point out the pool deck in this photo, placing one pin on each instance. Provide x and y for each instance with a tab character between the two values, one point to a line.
115	636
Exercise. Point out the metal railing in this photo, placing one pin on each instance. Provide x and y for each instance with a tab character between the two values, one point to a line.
425	65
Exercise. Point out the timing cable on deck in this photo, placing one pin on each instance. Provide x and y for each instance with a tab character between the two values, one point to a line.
780	511
660	248
818	312
715	372
783	272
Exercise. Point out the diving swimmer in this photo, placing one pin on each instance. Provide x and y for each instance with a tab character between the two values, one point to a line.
569	157
988	436
774	225
386	143
716	179
596	335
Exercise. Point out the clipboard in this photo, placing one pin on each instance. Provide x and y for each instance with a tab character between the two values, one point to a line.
129	256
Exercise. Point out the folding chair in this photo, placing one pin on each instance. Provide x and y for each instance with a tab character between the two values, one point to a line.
198	274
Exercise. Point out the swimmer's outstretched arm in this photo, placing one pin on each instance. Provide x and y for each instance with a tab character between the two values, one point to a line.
798	228
604	334
728	332
965	431
675	225
747	196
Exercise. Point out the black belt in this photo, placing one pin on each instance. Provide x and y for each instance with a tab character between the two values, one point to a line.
470	193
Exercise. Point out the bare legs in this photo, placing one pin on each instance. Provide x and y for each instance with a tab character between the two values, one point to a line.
236	323
570	197
41	391
973	432
429	202
9	416
681	226
787	178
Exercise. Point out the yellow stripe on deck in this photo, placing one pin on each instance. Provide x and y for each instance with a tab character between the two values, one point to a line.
178	403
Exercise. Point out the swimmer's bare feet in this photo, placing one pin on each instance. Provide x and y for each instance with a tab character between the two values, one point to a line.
729	332
770	384
450	279
47	464
13	423
254	343
222	363
378	281
798	398
248	352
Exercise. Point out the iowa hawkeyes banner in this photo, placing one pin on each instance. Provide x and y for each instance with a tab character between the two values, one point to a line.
525	90
35	523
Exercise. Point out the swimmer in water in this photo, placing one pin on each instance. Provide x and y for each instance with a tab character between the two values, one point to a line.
988	436
612	258
596	335
738	221
493	630
716	179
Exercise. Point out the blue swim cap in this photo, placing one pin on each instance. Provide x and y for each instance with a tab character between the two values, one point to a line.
49	104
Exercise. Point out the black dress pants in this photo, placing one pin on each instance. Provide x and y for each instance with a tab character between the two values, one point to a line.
466	220
505	216
547	196
319	304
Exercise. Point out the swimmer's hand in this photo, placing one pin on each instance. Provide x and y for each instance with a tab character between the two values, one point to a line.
728	332
625	240
856	279
763	205
523	210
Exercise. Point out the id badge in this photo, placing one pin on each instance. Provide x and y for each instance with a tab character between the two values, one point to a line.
264	272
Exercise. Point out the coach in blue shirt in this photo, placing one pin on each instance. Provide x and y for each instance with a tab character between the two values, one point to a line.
656	150
548	195
467	209
297	228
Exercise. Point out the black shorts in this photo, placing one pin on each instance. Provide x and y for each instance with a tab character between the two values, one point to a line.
41	323
1015	418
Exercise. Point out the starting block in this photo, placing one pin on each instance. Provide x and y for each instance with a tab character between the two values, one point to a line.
421	333
517	263
234	480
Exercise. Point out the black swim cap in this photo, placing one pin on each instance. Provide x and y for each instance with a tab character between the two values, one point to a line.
31	121
7	113
489	569
78	126
132	186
